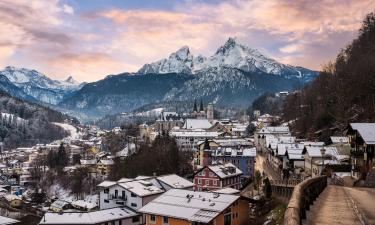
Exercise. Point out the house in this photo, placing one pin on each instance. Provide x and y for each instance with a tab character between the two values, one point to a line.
104	166
243	158
314	160
182	207
217	176
134	193
7	221
60	205
14	201
188	140
118	216
362	142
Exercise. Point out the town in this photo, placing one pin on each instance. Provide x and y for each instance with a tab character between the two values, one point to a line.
229	171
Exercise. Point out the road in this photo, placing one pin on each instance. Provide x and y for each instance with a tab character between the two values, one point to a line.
364	199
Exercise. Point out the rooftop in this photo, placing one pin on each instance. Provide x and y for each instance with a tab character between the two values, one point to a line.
175	181
94	217
366	130
189	205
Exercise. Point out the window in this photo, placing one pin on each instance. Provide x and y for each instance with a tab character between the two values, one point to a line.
135	219
106	200
152	218
120	203
207	182
211	174
116	193
215	182
134	204
106	191
165	220
199	181
123	194
133	195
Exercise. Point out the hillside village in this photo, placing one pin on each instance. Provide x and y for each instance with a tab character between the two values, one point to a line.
235	166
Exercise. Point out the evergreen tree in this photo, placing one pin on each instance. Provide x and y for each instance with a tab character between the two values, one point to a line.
62	157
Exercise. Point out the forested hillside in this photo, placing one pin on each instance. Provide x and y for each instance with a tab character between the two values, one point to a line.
24	124
344	92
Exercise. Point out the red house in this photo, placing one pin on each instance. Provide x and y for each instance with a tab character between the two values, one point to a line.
216	177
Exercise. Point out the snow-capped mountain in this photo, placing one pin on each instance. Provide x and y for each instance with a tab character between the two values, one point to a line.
181	61
39	86
233	77
232	55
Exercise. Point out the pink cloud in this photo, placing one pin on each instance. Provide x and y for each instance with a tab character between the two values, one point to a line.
51	36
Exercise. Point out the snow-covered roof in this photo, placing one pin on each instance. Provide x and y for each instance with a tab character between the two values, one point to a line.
106	184
366	130
282	148
313	151
197	124
95	217
227	190
234	152
141	187
124	179
59	204
338	140
175	181
226	170
88	161
189	205
274	130
107	162
252	152
6	221
286	139
84	204
313	143
197	133
10	198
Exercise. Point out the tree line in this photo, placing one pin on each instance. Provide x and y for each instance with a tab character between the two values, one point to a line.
343	93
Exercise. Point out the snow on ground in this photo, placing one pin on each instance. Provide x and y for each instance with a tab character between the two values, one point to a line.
12	117
73	133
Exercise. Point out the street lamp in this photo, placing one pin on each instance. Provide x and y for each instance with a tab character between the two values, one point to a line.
323	152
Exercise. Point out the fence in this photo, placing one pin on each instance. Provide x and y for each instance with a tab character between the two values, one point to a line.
304	194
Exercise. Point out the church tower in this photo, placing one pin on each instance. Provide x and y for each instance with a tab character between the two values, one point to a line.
210	111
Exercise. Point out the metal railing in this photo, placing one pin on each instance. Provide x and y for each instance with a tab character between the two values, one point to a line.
304	194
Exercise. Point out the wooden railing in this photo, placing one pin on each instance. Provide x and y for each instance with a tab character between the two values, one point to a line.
304	194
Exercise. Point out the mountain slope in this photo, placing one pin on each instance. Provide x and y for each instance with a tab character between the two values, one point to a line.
39	86
122	92
24	124
9	87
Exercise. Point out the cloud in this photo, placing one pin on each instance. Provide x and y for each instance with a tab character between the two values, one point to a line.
58	39
68	9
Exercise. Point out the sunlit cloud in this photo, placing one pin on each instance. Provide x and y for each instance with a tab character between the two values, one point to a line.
61	39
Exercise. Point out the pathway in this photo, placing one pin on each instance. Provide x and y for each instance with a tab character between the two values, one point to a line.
333	206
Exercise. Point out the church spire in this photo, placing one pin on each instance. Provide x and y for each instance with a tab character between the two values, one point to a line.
195	106
201	106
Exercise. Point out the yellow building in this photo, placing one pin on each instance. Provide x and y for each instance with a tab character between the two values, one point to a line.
182	207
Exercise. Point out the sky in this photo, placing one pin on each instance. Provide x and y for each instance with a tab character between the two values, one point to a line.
90	39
